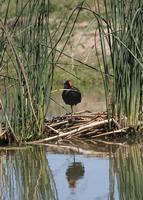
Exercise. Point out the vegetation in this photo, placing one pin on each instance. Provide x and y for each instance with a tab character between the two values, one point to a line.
35	46
30	56
119	29
126	55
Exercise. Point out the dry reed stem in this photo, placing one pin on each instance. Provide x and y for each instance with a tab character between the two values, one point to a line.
58	123
117	124
111	132
54	130
84	116
111	143
5	131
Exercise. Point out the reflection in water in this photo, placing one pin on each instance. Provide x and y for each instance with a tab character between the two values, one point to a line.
128	169
25	175
116	174
75	171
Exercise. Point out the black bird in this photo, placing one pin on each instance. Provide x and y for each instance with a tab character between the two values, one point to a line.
71	95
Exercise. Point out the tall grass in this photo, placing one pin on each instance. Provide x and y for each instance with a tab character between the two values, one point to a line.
119	27
27	63
28	50
127	59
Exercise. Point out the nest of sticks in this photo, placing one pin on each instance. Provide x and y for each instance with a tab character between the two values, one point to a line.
81	126
84	125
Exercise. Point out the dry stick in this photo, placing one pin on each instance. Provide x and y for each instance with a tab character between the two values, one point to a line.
74	127
83	111
87	132
57	124
57	132
111	143
77	121
84	116
78	124
63	123
5	131
92	120
86	129
90	133
117	124
111	132
61	134
77	133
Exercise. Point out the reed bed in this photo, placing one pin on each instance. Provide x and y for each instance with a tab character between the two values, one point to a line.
28	60
120	26
27	67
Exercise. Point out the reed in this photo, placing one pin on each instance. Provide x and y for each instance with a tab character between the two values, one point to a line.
28	50
27	62
119	27
127	60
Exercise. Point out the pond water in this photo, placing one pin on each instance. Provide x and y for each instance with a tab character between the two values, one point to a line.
105	172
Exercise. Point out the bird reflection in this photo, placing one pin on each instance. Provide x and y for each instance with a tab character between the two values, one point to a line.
74	172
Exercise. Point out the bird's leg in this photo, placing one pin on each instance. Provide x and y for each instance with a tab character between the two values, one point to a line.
71	120
71	110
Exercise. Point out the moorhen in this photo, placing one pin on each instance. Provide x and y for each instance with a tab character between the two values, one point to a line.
71	95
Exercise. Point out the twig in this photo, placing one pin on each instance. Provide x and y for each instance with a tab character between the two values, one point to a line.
84	116
84	111
54	130
57	124
3	133
111	143
117	124
111	132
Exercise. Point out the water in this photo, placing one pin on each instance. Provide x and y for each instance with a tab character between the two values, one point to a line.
109	172
85	178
